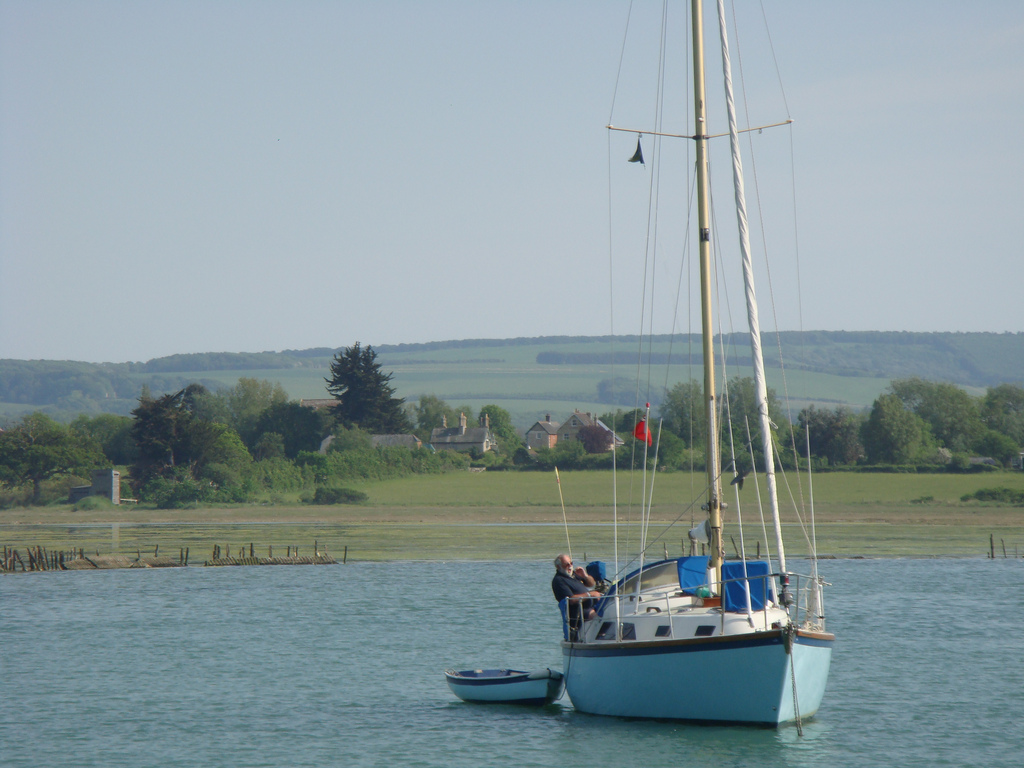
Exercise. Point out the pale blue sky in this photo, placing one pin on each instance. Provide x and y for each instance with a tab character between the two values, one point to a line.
244	176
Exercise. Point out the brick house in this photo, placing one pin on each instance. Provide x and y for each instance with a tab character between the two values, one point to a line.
543	434
570	428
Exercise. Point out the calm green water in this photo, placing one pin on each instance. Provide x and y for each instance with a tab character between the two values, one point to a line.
342	665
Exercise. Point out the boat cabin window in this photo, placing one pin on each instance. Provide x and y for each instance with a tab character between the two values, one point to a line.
663	630
607	631
660	575
705	630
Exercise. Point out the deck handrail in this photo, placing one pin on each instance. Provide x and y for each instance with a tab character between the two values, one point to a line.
799	610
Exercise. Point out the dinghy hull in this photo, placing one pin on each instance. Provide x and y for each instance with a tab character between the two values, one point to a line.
506	686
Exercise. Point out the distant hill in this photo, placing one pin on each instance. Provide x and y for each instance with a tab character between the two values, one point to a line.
533	376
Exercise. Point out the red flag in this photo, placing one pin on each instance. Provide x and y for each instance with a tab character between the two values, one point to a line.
641	432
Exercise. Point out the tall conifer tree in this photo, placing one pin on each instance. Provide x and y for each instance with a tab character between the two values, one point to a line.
365	396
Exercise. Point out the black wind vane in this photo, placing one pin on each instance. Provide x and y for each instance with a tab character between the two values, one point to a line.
738	480
638	156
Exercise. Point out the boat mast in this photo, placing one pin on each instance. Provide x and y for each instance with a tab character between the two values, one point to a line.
707	323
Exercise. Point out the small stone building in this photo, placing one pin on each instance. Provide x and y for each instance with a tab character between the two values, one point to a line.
462	438
105	483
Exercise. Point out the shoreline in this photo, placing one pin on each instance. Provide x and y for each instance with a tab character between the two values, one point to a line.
519	516
442	540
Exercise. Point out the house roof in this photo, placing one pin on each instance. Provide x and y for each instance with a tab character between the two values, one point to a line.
551	427
408	441
584	419
450	435
317	403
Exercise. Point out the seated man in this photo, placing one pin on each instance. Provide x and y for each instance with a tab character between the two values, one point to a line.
575	585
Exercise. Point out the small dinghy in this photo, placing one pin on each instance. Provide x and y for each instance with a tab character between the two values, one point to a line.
506	686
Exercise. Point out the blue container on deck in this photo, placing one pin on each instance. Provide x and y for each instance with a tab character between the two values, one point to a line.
597	570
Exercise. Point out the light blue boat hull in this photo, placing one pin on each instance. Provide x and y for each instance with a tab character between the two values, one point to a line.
738	679
506	686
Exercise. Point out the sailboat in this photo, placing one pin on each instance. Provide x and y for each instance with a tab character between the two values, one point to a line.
697	637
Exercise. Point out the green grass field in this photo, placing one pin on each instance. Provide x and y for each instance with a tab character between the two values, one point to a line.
510	376
517	515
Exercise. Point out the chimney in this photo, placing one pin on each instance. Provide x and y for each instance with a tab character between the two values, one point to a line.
547	417
462	423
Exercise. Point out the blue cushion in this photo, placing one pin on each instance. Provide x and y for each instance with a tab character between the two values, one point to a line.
735	597
693	572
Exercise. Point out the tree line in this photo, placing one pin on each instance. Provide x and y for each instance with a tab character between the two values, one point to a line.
247	442
914	422
239	444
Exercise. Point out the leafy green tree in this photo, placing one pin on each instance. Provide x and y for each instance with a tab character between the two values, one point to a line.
160	431
227	449
270	445
350	439
225	464
1002	409
951	413
619	420
207	405
112	433
364	393
833	434
38	448
998	446
316	463
567	454
172	438
742	411
432	412
500	421
892	434
673	453
683	412
247	401
300	428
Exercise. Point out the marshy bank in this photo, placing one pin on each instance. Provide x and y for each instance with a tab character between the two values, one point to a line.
517	516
